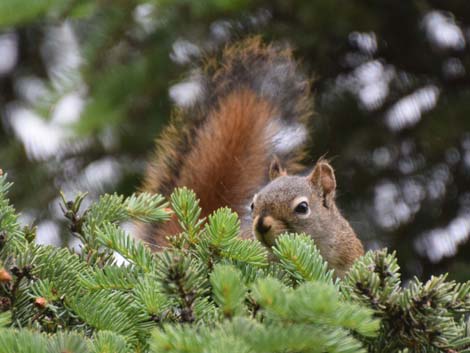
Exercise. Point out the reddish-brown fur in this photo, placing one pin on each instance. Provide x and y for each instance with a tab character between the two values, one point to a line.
229	152
221	146
227	160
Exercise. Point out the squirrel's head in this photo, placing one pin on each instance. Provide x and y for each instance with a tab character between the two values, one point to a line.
297	204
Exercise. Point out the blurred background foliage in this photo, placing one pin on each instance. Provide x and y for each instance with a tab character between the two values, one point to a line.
85	86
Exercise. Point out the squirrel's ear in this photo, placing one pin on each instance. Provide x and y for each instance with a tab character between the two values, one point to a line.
323	177
275	169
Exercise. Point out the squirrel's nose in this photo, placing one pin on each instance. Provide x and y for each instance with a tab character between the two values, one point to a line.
261	225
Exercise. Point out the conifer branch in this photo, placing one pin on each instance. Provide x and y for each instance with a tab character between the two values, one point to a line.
209	290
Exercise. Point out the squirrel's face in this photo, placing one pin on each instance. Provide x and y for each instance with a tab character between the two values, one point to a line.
293	203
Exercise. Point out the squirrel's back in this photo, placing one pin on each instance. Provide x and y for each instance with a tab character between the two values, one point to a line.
253	103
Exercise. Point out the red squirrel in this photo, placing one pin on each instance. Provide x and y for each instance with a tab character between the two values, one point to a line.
235	144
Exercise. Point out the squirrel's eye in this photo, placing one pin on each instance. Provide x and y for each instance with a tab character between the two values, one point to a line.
301	208
252	206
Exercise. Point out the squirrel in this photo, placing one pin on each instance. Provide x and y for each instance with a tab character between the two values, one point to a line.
247	127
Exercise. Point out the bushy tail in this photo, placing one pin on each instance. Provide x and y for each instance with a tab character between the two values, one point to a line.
252	103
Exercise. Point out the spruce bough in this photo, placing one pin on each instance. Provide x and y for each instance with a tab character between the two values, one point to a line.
209	291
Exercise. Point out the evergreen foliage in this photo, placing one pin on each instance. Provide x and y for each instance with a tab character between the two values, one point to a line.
209	291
